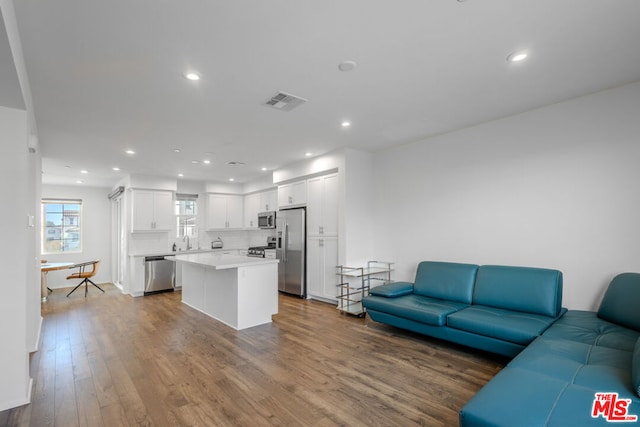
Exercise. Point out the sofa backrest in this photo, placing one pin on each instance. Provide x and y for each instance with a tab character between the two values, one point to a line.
445	280
621	302
526	289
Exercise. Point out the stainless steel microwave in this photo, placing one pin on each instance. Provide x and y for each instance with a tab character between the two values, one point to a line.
267	219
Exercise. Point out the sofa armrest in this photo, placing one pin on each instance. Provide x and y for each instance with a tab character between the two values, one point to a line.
392	290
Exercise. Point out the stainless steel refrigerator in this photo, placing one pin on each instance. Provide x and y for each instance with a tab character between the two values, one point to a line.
291	251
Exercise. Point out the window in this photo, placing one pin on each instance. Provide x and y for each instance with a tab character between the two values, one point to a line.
61	226
186	215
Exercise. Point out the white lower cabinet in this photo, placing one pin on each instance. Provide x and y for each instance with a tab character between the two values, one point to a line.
322	259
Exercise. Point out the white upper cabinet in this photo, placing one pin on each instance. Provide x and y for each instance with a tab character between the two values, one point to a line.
258	202
322	206
224	211
251	209
268	201
293	194
152	210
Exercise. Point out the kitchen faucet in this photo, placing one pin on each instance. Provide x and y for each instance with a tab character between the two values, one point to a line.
186	238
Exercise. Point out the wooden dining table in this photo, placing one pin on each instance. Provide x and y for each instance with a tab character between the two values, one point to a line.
46	267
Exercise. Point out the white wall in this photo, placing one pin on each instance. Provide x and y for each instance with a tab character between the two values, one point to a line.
555	187
96	232
14	262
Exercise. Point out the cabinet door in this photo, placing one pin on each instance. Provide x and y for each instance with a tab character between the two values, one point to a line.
299	192
330	206
251	209
330	278
235	211
142	210
268	201
292	194
314	268
284	195
314	206
216	211
163	210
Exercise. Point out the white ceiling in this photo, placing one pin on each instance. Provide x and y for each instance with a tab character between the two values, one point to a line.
106	76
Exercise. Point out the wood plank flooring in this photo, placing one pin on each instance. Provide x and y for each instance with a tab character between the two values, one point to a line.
114	360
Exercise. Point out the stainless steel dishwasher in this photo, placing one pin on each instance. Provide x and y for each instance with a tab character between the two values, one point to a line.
159	275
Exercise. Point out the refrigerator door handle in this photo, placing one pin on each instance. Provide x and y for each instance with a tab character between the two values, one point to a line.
286	243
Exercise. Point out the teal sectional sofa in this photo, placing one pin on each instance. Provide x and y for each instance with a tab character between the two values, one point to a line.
570	368
583	371
500	309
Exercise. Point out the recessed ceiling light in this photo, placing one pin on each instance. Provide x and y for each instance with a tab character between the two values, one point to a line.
347	66
176	150
195	162
83	171
180	175
231	179
517	56
345	124
130	152
206	162
115	168
192	76
308	154
263	169
79	181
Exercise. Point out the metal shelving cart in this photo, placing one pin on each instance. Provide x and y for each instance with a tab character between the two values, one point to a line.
355	283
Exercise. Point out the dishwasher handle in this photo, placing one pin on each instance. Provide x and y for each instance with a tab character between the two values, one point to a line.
154	258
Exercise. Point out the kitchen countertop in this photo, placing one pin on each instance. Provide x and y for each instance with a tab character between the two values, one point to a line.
191	251
220	261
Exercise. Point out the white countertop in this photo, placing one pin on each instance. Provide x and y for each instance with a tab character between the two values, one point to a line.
220	261
190	251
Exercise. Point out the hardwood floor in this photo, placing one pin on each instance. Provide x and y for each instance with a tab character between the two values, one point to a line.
114	360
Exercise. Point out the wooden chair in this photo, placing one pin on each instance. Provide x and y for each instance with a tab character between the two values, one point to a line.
85	276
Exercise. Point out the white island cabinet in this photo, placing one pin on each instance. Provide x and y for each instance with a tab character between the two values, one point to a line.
239	291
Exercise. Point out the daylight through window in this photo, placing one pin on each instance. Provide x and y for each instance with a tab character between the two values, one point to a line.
186	215
61	226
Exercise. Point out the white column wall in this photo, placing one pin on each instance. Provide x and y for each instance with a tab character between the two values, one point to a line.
14	251
555	187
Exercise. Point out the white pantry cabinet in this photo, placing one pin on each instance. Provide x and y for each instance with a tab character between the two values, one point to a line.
322	206
152	210
224	211
293	194
322	259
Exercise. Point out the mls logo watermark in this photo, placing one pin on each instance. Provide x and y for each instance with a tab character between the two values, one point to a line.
612	409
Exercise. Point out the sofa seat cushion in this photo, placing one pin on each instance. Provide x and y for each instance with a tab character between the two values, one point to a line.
427	310
578	363
507	325
552	382
586	327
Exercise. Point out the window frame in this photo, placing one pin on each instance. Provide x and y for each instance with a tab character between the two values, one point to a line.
182	218
64	229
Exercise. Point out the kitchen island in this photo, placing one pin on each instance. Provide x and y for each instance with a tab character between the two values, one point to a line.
237	290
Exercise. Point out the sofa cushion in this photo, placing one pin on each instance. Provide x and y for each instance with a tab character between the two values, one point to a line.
635	368
446	280
586	327
392	290
427	310
530	290
512	326
621	301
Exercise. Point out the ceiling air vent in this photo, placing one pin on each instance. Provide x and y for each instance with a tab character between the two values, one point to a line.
284	101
